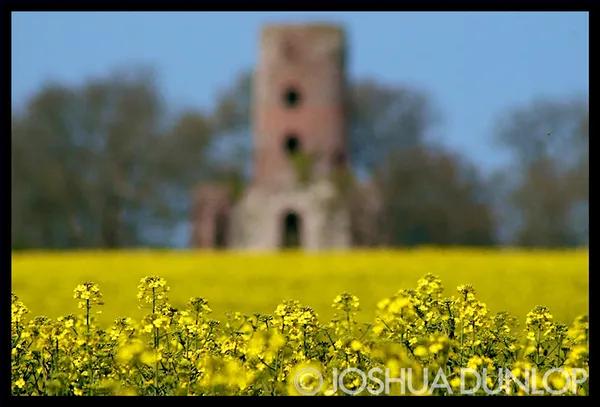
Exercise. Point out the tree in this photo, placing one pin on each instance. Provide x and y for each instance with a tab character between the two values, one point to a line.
98	165
430	196
386	118
548	181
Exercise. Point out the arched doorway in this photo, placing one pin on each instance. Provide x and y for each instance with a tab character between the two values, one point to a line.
291	237
220	231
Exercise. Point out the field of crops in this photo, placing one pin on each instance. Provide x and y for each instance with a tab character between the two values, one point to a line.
505	281
421	310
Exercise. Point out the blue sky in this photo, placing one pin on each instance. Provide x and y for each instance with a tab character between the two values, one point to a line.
474	65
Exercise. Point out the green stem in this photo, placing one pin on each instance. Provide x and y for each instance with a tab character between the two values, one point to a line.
87	315
537	349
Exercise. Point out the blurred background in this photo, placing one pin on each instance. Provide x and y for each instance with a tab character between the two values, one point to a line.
475	125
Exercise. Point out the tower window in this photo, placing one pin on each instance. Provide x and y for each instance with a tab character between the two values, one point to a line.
291	97
291	144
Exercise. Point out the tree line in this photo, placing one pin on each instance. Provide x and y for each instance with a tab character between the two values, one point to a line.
108	164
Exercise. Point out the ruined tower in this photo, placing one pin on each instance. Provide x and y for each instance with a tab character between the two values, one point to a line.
211	217
299	139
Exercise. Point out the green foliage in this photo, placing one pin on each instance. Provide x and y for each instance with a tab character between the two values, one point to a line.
303	165
84	156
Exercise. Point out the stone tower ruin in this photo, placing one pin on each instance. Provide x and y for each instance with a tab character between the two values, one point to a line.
300	142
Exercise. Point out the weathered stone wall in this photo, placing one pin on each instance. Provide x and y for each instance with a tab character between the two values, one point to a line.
259	218
210	204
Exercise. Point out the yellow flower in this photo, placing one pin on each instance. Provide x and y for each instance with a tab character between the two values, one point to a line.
378	329
20	383
356	345
398	304
435	348
558	381
383	303
276	341
421	351
305	379
148	358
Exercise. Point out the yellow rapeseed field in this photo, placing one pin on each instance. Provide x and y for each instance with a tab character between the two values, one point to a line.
393	323
505	280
